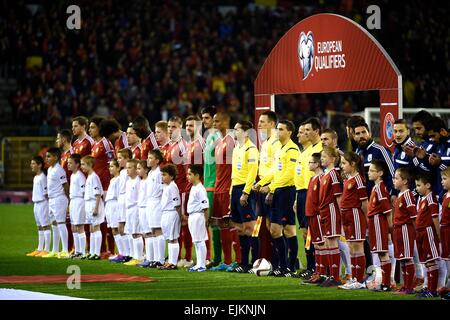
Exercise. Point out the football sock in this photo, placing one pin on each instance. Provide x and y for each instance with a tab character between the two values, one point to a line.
344	251
310	258
386	272
149	251
334	262
275	257
118	240
76	243
217	244
82	242
47	237
63	235
161	248
138	248
281	248
227	243
40	240
174	249
393	261
236	246
244	242
55	233
443	273
254	244
433	275
292	244
208	245
98	242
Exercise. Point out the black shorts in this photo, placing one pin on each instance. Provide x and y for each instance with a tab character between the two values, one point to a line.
240	214
282	211
264	209
301	202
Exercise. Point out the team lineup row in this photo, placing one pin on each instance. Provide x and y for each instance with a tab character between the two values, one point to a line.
244	185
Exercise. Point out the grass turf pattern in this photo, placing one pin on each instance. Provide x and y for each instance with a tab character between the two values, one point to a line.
18	236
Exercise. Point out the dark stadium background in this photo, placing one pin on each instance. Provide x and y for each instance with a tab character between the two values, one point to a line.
165	58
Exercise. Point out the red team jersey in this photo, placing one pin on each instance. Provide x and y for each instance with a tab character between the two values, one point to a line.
354	192
64	158
330	188
427	209
177	154
120	143
103	152
405	208
312	196
137	152
379	202
84	146
147	145
224	155
195	154
445	217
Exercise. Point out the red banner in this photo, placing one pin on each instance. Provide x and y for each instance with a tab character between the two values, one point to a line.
330	53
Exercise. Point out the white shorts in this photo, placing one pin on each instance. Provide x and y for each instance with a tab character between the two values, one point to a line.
154	214
197	227
112	213
132	221
143	222
170	225
89	206
58	208
77	212
41	213
122	209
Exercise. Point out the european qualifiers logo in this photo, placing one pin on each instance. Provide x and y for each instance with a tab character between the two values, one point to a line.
322	55
306	52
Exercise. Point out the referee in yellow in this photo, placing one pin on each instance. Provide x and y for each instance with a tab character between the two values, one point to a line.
309	138
281	197
243	199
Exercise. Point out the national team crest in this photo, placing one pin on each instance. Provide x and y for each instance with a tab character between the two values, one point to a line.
315	187
423	206
350	185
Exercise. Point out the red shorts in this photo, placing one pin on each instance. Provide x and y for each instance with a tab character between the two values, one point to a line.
330	221
378	233
427	244
221	203
354	223
445	242
403	239
315	229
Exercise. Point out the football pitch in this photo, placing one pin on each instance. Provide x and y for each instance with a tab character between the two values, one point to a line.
18	236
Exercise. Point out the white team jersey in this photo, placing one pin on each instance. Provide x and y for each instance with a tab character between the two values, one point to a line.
123	178
77	184
39	187
142	193
198	199
132	192
154	184
113	189
93	187
56	177
170	197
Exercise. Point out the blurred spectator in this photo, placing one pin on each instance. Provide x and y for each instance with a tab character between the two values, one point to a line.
165	58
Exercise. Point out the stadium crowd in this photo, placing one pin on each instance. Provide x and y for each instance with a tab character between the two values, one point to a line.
165	58
202	182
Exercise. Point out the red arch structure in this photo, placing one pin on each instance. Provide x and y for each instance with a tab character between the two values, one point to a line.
331	53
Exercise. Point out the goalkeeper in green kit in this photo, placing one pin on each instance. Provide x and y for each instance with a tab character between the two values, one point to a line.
209	177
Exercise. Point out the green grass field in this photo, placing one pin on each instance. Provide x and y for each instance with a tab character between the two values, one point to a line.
18	236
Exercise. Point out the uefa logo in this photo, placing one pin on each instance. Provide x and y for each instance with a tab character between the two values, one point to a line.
388	125
306	52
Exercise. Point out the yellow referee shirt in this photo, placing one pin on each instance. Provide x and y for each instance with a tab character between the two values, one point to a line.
245	165
302	172
284	166
266	159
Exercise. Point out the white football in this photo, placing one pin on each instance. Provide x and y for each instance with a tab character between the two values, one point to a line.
262	267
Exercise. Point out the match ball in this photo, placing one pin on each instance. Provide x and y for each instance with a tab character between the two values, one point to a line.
262	267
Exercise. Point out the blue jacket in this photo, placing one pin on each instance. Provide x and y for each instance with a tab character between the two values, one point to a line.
375	151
